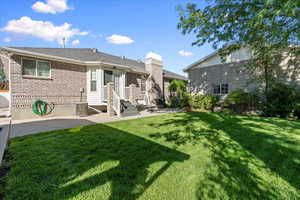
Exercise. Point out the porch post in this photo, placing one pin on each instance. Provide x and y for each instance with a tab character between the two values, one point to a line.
110	110
132	93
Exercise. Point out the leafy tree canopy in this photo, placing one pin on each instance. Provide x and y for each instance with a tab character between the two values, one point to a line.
233	23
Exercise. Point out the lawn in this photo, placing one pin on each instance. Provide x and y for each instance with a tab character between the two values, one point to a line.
183	156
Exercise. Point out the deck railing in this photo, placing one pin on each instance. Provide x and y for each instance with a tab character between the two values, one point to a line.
126	96
116	103
104	93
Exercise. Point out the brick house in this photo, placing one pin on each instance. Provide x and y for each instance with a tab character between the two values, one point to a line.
67	76
212	75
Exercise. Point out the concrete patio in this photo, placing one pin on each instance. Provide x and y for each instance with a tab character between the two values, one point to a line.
33	126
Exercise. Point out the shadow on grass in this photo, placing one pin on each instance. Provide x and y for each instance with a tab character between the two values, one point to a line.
244	153
66	164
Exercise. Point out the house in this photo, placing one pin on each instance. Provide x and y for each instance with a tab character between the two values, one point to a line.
213	75
64	77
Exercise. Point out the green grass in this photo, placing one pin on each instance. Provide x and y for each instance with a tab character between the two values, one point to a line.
183	156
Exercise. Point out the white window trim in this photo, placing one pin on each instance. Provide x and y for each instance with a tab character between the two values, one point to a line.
36	68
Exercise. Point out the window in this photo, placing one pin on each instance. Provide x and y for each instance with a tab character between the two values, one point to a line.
217	89
93	80
43	69
221	89
224	88
143	85
108	77
36	68
29	67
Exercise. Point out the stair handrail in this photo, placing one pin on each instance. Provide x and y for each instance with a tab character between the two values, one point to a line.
116	103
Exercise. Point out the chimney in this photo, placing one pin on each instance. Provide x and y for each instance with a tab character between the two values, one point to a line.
94	50
154	85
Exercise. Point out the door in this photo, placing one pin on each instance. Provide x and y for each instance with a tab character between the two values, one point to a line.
117	82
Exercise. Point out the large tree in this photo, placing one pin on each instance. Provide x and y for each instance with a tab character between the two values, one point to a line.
267	27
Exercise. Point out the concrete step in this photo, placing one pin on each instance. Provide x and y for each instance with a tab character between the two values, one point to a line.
129	110
129	114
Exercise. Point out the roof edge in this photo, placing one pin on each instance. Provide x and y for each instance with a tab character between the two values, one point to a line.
68	60
200	61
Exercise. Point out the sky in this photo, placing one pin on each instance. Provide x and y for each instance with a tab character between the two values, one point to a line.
130	28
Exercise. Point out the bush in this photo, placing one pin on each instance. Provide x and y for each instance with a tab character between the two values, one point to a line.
240	101
185	100
282	100
180	101
297	106
174	102
207	102
297	111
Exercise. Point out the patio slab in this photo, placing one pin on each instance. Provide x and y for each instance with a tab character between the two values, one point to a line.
27	127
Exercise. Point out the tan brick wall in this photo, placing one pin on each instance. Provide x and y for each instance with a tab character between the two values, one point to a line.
203	79
62	89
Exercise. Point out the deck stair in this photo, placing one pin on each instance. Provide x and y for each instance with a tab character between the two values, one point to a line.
128	109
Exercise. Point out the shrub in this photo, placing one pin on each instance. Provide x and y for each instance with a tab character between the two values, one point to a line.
297	106
297	111
180	101
174	102
207	102
185	100
240	101
282	100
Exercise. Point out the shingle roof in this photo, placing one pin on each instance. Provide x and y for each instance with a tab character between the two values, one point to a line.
170	74
90	55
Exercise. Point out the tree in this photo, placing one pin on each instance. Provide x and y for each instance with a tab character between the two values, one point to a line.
178	87
267	27
178	95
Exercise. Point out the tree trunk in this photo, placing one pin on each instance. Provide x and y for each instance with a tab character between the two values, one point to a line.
267	86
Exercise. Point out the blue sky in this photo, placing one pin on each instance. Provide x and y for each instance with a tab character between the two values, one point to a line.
129	28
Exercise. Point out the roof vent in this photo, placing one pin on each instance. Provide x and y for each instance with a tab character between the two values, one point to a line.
94	50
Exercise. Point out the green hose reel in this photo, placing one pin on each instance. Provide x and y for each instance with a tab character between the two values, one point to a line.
41	108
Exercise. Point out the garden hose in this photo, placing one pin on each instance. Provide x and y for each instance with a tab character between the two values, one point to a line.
39	107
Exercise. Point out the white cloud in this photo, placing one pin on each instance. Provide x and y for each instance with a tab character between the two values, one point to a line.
153	56
75	42
7	39
119	39
185	53
42	29
51	6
